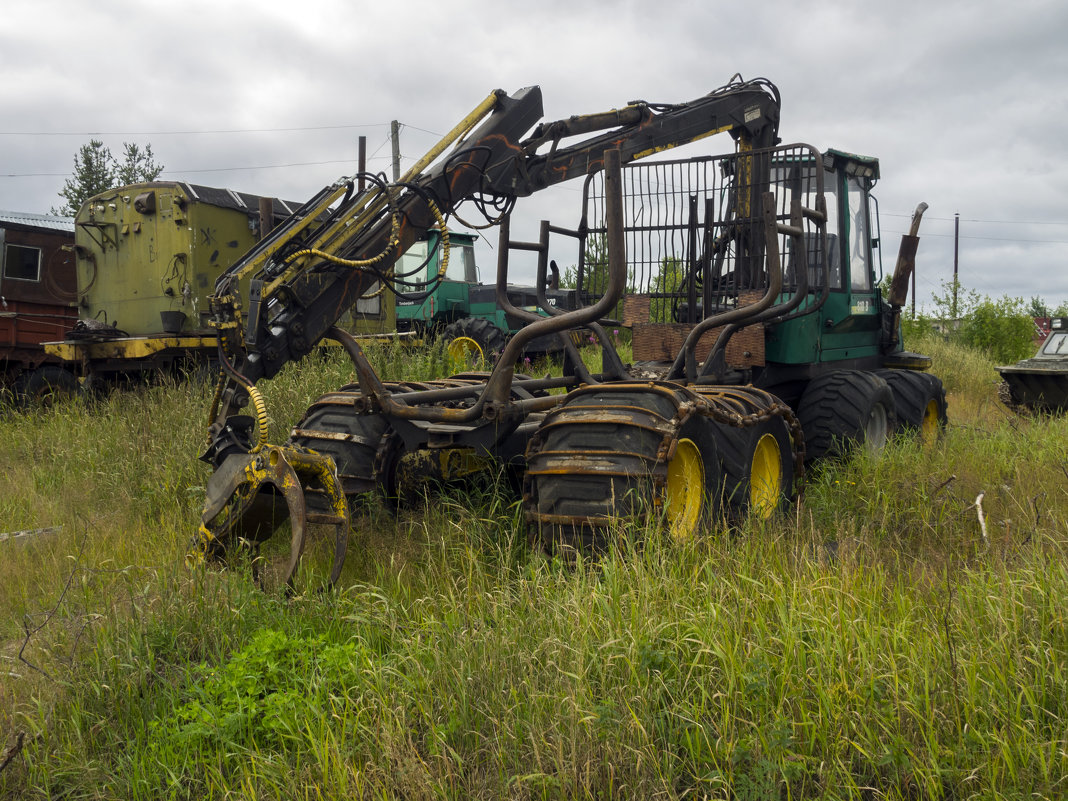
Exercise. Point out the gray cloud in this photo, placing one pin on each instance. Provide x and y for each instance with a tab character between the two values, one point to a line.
964	103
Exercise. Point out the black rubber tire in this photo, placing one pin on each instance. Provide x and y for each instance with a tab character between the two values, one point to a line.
738	448
46	385
365	459
917	395
489	338
632	481
844	409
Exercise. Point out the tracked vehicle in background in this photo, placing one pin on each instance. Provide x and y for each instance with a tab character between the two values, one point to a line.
749	279
1040	384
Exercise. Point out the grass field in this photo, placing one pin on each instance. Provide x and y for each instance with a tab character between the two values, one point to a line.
885	640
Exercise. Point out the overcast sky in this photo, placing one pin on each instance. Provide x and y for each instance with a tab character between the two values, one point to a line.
964	103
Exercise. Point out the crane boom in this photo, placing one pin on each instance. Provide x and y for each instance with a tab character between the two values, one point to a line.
340	244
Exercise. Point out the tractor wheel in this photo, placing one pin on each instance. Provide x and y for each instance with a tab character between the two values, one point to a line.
45	386
758	468
843	409
364	447
605	455
920	399
471	340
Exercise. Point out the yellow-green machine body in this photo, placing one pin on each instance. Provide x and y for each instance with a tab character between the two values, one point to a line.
148	257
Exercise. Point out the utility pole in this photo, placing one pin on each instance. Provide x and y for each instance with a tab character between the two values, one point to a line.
394	134
361	163
956	251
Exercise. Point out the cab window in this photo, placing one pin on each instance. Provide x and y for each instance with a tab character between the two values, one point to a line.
1055	345
461	263
412	258
860	274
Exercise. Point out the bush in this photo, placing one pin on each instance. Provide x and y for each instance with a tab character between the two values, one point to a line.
1001	328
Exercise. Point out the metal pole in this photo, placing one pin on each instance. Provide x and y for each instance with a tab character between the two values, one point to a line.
956	249
913	293
361	162
394	135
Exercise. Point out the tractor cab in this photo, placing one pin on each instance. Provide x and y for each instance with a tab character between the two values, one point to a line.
422	261
418	267
848	324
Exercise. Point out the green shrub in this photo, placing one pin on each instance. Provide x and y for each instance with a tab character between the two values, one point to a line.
1001	328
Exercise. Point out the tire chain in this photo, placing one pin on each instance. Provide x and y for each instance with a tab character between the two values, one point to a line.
767	406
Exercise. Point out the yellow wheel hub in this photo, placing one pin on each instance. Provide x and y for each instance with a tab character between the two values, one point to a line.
685	489
465	349
929	425
765	478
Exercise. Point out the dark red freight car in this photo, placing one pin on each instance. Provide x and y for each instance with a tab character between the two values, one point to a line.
38	296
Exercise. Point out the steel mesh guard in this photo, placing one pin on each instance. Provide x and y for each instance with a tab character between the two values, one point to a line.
695	232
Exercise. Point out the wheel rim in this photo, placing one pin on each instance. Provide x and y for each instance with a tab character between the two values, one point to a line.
929	425
876	431
685	489
465	349
765	477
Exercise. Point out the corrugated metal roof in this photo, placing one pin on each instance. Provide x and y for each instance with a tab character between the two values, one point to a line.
38	220
232	199
213	196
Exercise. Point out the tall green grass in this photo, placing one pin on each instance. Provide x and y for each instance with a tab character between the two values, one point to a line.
875	643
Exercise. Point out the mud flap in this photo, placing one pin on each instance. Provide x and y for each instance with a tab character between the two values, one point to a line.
242	504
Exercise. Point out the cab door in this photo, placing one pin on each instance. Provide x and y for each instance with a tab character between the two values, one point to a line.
849	320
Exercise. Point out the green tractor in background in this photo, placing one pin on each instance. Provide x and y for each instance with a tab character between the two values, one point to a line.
461	310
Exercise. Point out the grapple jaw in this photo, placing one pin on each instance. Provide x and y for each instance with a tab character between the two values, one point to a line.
243	505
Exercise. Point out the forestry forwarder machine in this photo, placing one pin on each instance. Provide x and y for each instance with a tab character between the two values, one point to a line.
751	290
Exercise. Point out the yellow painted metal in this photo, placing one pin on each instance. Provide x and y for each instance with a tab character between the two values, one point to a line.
461	129
310	218
765	477
661	148
128	348
289	470
153	248
376	200
159	247
685	491
465	350
930	427
143	347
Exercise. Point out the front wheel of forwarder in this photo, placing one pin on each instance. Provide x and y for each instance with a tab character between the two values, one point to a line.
612	453
920	399
846	409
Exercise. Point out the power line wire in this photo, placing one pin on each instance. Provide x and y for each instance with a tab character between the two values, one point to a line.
184	171
994	222
193	133
990	238
422	130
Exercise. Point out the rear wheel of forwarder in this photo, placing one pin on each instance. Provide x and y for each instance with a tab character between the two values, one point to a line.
46	385
471	340
607	455
844	409
920	399
758	468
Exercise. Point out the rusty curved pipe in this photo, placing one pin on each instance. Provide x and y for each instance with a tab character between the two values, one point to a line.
771	254
498	386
